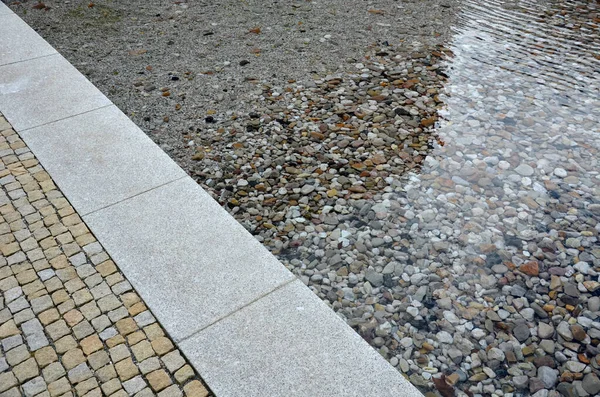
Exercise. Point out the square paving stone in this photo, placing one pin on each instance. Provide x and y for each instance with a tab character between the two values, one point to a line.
291	343
53	372
17	355
79	373
185	255
19	41
100	158
7	380
34	386
43	90
26	370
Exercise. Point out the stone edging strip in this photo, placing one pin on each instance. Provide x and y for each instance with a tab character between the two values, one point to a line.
243	320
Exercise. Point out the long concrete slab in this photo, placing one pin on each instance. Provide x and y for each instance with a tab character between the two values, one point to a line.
25	43
190	260
238	314
293	338
96	160
4	9
42	90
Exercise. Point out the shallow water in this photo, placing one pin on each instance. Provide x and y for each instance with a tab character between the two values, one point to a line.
522	119
510	197
520	129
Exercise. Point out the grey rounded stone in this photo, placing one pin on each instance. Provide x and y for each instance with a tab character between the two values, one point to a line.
524	169
545	331
521	332
548	376
591	384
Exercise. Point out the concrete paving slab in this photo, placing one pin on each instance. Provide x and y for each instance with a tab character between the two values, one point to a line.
298	345
100	158
187	257
43	90
24	42
4	10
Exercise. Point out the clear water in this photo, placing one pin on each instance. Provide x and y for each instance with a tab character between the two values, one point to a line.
515	183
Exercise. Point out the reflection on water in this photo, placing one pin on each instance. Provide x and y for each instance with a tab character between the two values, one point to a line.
505	216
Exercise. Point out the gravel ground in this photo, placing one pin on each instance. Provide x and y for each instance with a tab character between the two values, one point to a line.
467	254
210	56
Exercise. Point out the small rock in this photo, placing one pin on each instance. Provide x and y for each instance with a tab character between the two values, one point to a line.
444	337
564	331
545	331
591	384
594	303
495	354
560	172
413	311
521	332
578	332
376	279
548	376
428	215
524	169
517	290
530	268
521	381
575	366
478	333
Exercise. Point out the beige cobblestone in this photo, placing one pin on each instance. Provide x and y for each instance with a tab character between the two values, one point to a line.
158	380
73	317
53	372
65	344
162	345
126	369
98	359
7	380
136	337
91	344
195	389
184	374
26	370
73	358
111	386
59	387
45	356
49	316
17	355
126	326
70	323
171	391
106	373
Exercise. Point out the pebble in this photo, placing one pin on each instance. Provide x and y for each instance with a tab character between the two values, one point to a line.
521	332
564	330
524	170
575	366
560	172
548	376
444	337
591	384
545	331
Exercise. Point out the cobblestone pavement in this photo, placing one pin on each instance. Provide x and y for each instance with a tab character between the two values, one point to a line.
70	323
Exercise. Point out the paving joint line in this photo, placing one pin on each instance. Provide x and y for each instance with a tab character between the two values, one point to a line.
135	195
63	118
28	59
277	288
